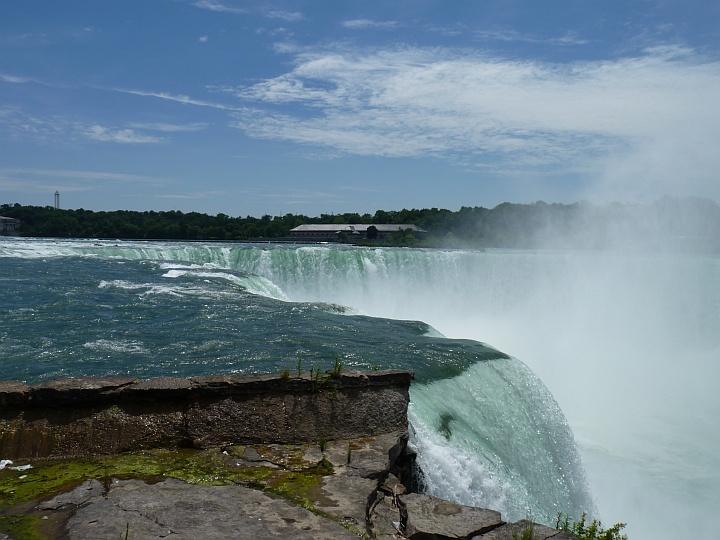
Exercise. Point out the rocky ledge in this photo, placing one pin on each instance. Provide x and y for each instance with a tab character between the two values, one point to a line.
79	417
287	479
350	488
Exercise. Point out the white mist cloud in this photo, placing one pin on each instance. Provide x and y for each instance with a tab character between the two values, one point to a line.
639	122
287	16
364	24
164	127
124	136
13	79
67	180
74	174
569	38
220	7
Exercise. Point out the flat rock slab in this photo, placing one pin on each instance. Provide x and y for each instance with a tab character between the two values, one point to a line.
78	496
512	531
175	509
429	518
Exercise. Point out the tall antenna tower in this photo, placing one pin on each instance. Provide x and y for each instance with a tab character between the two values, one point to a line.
57	200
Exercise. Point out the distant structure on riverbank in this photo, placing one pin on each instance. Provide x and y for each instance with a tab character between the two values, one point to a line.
350	232
9	226
57	200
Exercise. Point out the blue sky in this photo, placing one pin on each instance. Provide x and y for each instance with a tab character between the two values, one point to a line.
327	106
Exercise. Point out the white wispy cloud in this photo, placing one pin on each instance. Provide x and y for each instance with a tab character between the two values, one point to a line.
169	128
220	7
17	123
229	7
24	185
203	39
75	174
123	136
651	115
288	16
364	24
177	98
67	180
569	38
191	196
14	79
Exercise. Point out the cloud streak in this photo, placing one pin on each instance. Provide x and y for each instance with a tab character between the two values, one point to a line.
287	16
219	7
164	127
100	133
14	79
177	98
16	123
226	7
568	38
85	175
365	24
67	180
630	118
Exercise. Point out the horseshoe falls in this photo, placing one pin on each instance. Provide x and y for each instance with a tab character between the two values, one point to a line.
506	345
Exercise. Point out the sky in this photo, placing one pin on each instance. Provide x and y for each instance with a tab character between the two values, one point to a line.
252	108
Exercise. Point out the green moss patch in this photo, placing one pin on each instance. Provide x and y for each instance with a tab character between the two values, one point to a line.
48	478
26	527
303	487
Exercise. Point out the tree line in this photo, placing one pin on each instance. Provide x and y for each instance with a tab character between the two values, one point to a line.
668	221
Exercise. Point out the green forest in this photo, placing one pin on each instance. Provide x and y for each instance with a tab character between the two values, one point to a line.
668	221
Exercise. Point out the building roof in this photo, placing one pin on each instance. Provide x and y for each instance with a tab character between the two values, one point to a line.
355	227
9	219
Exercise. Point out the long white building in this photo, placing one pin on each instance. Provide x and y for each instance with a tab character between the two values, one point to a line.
347	232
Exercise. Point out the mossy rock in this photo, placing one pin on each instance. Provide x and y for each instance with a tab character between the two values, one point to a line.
20	490
22	527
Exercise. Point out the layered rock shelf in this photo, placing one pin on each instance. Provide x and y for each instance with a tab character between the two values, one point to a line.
79	417
224	457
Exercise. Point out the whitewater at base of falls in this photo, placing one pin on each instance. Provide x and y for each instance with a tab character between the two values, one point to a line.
627	344
500	442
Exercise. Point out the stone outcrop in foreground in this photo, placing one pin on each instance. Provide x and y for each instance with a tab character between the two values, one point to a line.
272	457
79	417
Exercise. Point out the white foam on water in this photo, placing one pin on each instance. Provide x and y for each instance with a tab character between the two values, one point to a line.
119	346
253	284
176	266
146	288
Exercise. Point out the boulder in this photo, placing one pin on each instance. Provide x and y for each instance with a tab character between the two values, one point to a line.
511	531
429	518
385	521
76	497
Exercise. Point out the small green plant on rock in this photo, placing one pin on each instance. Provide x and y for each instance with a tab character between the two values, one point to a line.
337	367
590	531
525	534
